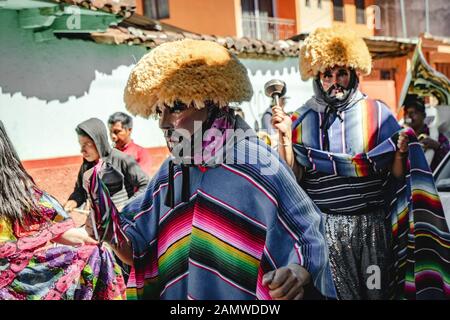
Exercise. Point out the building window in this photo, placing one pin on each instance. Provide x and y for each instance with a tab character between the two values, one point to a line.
263	7
156	9
338	10
259	21
360	11
319	4
308	3
387	74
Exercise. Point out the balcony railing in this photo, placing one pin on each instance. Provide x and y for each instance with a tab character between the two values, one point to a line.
260	26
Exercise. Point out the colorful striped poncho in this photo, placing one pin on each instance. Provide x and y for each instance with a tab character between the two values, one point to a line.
363	146
237	225
31	269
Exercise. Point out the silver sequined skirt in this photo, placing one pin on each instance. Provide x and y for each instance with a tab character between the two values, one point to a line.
360	254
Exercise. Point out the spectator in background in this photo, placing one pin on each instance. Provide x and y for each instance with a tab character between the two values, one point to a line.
121	175
120	127
119	171
76	269
414	116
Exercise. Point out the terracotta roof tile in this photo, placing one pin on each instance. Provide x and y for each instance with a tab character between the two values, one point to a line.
151	38
140	30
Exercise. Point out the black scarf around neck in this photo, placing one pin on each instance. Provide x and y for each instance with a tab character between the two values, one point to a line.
213	114
334	107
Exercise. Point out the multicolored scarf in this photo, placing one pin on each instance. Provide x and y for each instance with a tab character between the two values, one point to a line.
106	216
421	238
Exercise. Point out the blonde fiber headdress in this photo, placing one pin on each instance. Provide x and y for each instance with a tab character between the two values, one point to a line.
190	71
328	47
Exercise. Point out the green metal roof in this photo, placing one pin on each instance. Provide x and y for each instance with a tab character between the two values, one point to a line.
25	4
48	17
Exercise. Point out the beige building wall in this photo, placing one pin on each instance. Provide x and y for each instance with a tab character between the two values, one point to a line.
350	18
224	17
312	17
238	18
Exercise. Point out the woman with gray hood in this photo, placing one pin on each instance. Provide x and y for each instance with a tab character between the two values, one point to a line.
119	172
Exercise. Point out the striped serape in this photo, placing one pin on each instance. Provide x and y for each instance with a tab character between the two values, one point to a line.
237	225
364	147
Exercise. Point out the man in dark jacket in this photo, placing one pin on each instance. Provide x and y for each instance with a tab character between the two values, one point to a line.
121	174
415	115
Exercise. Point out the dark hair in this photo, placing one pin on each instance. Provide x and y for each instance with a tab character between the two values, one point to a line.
414	101
82	133
18	201
123	118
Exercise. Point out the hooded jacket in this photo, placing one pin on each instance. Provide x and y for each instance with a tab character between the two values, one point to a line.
121	174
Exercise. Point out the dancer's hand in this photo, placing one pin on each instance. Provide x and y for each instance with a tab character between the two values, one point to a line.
75	237
399	164
287	283
429	143
70	205
402	143
281	121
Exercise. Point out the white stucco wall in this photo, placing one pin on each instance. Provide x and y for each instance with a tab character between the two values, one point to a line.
261	71
47	88
41	129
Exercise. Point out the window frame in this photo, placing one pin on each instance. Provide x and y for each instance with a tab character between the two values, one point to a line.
341	10
360	12
156	9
